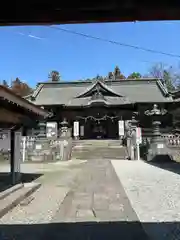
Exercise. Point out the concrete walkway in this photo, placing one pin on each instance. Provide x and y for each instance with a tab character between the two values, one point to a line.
96	207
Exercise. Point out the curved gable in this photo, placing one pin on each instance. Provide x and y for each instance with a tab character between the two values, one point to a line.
98	87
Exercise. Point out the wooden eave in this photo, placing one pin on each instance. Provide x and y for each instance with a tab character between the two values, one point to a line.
65	12
8	95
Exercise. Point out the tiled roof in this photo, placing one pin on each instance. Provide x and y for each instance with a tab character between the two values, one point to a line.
129	91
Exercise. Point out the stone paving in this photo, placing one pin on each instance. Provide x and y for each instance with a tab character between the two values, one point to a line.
96	208
99	199
154	193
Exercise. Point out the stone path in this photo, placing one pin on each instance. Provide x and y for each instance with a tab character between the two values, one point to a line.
96	208
154	193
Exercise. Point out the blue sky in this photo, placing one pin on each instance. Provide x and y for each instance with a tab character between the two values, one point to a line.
30	53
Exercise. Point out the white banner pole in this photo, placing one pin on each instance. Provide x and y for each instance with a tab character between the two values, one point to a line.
76	129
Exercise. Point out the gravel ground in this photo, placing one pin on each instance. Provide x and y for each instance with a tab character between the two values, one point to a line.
44	205
29	220
46	200
154	194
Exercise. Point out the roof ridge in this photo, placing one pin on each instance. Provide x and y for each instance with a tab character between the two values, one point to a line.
37	90
162	88
103	85
27	96
108	81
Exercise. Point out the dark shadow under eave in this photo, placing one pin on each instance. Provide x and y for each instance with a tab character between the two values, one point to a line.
92	231
6	179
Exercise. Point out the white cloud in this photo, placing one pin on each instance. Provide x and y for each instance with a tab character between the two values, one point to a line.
33	36
30	35
21	33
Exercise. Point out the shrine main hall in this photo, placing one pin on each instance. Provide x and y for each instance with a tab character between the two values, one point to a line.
96	109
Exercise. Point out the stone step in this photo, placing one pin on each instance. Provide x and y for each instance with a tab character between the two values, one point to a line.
98	149
99	153
96	143
11	200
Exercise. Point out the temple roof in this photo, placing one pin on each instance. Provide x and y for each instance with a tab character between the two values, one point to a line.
17	111
85	93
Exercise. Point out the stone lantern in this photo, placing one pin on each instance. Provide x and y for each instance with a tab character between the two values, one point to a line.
134	122
64	128
157	146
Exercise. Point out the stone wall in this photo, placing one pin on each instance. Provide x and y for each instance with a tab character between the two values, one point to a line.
171	148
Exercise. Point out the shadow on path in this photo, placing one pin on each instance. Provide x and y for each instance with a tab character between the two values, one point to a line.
5	179
92	231
74	231
167	165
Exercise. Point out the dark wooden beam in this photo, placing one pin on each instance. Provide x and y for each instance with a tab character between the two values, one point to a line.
9	116
53	12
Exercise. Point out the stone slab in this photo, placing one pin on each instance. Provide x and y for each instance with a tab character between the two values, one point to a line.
95	206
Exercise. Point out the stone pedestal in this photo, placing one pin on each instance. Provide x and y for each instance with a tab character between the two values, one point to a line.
157	145
65	148
157	148
64	130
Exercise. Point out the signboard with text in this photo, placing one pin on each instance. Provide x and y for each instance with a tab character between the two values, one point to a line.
51	129
138	135
76	129
121	127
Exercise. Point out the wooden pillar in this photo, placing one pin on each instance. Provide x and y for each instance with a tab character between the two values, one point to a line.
15	156
12	157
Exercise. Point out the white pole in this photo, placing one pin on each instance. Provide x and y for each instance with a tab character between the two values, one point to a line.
61	150
23	148
138	151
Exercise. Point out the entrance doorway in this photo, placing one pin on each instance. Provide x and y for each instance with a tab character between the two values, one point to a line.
98	129
103	129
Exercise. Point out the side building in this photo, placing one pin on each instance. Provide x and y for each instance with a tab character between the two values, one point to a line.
99	106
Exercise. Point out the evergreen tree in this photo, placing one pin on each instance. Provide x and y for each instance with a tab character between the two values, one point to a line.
54	76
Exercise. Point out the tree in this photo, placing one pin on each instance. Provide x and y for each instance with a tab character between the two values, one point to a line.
20	88
110	75
54	76
118	74
4	83
167	74
98	77
168	81
134	75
